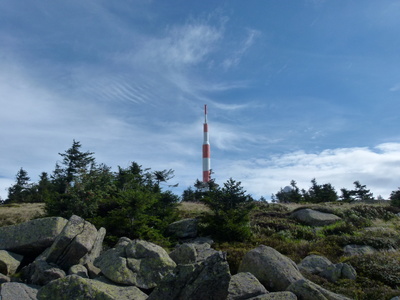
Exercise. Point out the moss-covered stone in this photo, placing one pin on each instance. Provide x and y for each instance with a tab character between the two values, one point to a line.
245	285
205	280
137	262
31	237
75	287
9	262
74	242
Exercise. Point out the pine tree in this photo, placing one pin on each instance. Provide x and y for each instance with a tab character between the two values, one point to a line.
75	162
361	193
230	206
20	191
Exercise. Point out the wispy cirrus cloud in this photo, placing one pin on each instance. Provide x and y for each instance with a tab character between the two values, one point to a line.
228	106
234	59
395	88
181	46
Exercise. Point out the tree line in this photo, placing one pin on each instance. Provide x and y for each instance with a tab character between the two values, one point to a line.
129	202
318	193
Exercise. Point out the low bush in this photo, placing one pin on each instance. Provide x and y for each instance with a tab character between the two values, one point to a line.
370	212
381	266
379	243
339	228
329	247
362	288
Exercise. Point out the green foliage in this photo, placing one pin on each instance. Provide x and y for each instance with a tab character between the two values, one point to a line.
75	161
20	191
291	195
339	228
395	198
234	253
43	189
231	225
230	206
315	194
129	202
367	239
298	233
231	197
320	193
362	288
360	193
83	195
381	266
135	206
189	195
362	215
200	191
328	246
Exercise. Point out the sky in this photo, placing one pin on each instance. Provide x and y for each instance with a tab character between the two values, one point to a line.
295	89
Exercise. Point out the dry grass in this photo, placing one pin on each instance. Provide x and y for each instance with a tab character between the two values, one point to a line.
11	214
192	209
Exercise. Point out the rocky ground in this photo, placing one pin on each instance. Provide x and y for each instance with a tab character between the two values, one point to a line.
296	252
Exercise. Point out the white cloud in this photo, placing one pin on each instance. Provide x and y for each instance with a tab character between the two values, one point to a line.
340	167
228	106
395	88
182	46
237	55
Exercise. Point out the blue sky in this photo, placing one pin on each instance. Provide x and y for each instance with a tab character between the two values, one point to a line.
296	89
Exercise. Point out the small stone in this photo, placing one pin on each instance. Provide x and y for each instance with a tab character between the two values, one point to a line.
9	262
78	270
243	286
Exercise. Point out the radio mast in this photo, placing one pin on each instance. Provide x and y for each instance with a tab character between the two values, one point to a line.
206	150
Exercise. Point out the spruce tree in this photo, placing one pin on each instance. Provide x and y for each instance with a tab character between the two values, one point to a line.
19	192
75	162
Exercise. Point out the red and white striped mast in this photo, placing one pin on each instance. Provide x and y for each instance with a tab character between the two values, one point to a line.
206	150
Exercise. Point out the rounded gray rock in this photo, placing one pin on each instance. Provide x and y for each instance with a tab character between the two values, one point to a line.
274	270
314	218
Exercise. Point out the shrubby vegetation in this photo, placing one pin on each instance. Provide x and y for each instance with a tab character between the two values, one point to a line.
230	207
319	193
129	202
395	198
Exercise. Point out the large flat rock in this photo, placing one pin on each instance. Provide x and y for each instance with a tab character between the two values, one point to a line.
18	291
314	218
32	237
75	287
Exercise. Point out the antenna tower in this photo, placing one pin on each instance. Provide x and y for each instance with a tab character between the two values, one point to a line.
206	150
